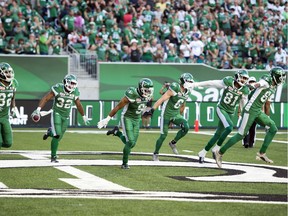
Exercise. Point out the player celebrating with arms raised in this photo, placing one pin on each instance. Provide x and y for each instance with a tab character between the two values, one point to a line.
133	102
8	86
64	94
253	112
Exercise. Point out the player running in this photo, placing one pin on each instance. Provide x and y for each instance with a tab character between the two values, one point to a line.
253	112
133	104
8	86
234	92
174	100
65	95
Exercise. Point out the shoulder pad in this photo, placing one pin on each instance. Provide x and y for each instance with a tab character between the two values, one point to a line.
15	83
267	78
245	90
175	87
131	93
228	81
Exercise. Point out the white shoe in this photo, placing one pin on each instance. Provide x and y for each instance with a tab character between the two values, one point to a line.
155	157
218	159
216	148
173	147
202	155
263	157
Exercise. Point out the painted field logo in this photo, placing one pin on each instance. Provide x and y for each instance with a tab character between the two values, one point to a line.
93	186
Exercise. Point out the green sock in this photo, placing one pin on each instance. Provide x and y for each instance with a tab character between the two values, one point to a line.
232	141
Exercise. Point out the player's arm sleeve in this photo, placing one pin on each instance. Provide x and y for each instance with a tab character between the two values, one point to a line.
263	83
210	83
242	102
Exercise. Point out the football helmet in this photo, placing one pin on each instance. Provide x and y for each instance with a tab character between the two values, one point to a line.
186	79
6	72
278	75
145	88
241	77
70	83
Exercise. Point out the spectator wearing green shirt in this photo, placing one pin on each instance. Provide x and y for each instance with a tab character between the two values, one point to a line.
67	23
236	62
56	44
8	22
44	42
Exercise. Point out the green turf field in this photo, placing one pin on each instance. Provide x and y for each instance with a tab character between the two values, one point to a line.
88	179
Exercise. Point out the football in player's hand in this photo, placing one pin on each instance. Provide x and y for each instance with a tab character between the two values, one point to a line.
35	117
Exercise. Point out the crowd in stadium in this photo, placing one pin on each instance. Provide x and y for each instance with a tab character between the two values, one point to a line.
225	34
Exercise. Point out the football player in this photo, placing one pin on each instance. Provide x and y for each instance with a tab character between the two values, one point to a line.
133	104
234	92
65	95
8	86
174	100
253	112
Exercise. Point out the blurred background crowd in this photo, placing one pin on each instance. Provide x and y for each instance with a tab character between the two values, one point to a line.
224	34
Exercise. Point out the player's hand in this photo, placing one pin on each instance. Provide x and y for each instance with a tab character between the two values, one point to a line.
36	112
85	120
103	123
150	112
13	112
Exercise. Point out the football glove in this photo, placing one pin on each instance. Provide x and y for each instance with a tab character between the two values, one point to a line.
150	112
36	115
85	120
13	112
103	123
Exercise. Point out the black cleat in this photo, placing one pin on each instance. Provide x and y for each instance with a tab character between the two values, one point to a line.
54	159
113	131
46	135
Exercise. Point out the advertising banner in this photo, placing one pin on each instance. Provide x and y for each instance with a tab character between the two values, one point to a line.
115	78
96	110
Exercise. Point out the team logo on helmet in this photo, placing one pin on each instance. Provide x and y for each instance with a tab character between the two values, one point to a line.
70	83
278	75
6	72
186	79
241	77
145	88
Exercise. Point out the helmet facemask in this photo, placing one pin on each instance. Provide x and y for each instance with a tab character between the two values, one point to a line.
146	88
70	83
6	72
278	76
242	77
186	80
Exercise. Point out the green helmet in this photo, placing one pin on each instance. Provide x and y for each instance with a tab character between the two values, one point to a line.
241	77
278	75
185	79
6	72
70	83
145	88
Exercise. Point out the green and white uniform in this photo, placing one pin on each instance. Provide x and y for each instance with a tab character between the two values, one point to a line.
130	120
253	112
62	105
226	106
171	113
6	95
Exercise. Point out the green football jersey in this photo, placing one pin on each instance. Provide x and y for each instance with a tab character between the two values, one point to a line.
6	95
136	106
172	106
63	101
259	96
231	95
